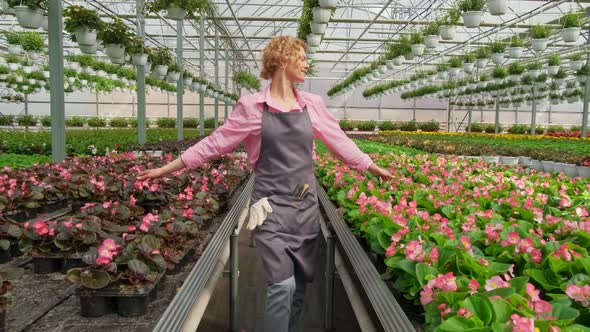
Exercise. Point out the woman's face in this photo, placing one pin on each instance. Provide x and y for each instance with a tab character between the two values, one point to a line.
297	68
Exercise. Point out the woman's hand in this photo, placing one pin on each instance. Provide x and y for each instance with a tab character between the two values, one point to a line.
380	172
150	174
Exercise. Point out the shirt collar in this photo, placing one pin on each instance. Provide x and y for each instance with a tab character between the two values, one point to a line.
264	96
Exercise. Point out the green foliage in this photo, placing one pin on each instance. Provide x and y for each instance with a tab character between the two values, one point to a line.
452	17
455	62
500	72
584	71
119	123
347	125
408	126
306	18
133	122
431	29
116	32
491	128
97	122
573	19
366	125
442	67
518	129
516	41
472	5
46	121
26	120
79	17
554	60
535	65
498	47
477	127
469	57
21	161
416	38
33	4
483	53
576	56
210	123
137	46
247	80
13	37
541	31
161	56
166	122
430	126
192	7
75	122
32	41
190	122
387	125
6	120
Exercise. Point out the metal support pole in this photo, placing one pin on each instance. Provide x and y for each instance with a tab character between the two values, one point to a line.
26	104
469	119
534	115
180	83
497	121
226	82
586	100
216	117
56	69
449	107
329	295
141	112
378	108
96	104
234	274
202	74
516	115
414	111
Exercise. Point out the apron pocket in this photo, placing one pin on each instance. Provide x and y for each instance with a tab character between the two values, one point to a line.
294	215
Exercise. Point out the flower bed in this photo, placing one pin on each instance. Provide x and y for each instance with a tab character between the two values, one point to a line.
480	248
563	149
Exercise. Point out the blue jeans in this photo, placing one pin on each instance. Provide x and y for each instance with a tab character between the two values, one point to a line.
284	306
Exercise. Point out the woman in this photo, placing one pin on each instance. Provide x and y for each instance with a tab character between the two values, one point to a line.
278	126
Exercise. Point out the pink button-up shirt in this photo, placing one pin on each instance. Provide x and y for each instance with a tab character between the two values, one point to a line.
245	125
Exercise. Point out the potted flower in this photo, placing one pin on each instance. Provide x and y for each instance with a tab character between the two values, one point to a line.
526	82
417	43
139	52
455	64
29	13
116	36
572	24
497	7
497	49
432	35
187	78
555	98
553	62
499	74
14	40
448	23
173	74
318	28
560	77
516	47
472	12
33	44
160	59
541	81
468	62
540	33
84	24
482	54
314	40
321	15
583	73
576	61
178	9
515	70
534	69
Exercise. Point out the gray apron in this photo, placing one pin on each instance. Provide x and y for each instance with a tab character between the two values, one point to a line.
287	241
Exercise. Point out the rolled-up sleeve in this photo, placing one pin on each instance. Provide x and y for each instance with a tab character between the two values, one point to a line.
329	131
223	140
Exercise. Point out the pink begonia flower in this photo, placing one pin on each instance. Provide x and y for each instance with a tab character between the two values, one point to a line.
26	224
103	260
131	228
144	227
484	262
466	242
390	251
87	206
106	205
154	187
464	312
434	255
542	308
188	213
580	294
536	256
124	235
155	252
69	223
40	227
525	245
532	292
132	200
496	282
426	295
565	202
473	286
443	309
513	238
581	211
522	324
414	251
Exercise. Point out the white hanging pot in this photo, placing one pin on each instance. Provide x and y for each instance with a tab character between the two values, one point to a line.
409	56
29	18
382	69
560	81
160	70
31	81
187	82
314	40
18	79
552	70
318	28
468	67
454	71
418	49
85	36
321	15
498	7
33	55
539	45
472	19
84	82
46	74
570	35
581	78
118	61
431	41
115	51
71	80
173	76
497	58
139	59
176	13
3	77
113	77
330	4
481	63
389	64
27	69
398	60
14	49
364	79
442	75
447	32
88	49
45	23
515	52
576	65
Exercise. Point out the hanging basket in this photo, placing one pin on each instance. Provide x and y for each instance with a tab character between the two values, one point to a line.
418	49
29	18
454	71
318	28
139	59
576	65
330	4
115	51
14	49
45	23
321	15
176	13
497	58
89	49
431	41
118	61
472	19
187	82
33	55
515	52
481	63
85	36
160	70
498	7
570	35
314	40
539	45
447	32
552	70
397	61
173	76
389	64
468	67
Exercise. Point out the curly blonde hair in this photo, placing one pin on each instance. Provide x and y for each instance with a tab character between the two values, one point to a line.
280	50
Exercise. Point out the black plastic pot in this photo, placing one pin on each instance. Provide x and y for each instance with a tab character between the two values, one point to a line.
77	205
5	256
182	262
22	215
95	306
50	207
14	249
2	320
45	265
71	263
149	207
131	306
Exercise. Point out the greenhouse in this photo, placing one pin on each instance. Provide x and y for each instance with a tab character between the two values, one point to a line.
290	166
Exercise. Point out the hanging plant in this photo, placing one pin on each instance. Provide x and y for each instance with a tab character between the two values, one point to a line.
29	13
572	24
178	9
306	19
246	80
116	33
541	31
83	24
500	72
472	12
516	68
32	41
553	60
138	51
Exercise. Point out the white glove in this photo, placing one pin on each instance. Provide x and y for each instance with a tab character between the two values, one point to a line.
258	213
